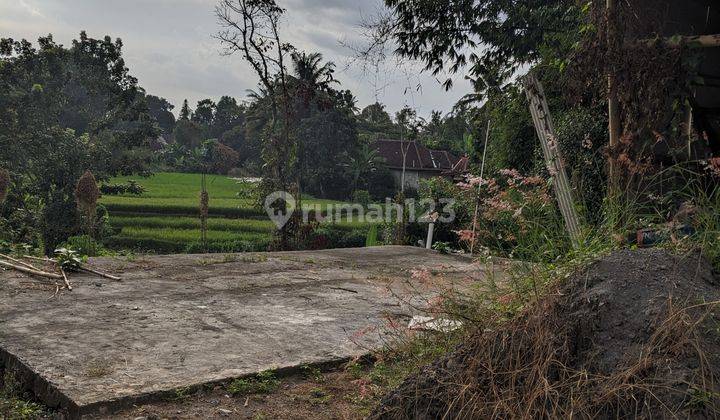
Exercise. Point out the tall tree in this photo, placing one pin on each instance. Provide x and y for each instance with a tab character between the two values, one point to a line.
204	113
490	38
185	112
64	111
252	29
161	110
228	114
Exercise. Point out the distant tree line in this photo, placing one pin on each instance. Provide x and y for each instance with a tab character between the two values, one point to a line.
68	110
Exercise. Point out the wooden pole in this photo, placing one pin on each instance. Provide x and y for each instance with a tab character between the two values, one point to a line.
553	159
26	270
696	41
477	199
614	129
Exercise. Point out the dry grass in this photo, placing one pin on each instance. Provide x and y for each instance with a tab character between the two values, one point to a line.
529	369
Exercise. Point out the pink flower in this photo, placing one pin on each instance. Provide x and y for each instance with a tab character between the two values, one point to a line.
465	235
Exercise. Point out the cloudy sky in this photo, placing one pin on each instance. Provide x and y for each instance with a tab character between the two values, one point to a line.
168	46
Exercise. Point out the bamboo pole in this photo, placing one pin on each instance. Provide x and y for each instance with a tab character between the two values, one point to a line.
89	270
23	263
26	270
65	279
100	273
694	41
613	104
553	159
477	199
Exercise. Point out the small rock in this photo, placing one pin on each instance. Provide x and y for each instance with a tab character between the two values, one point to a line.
98	284
223	412
136	308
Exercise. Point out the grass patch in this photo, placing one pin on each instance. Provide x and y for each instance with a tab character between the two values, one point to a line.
263	383
165	219
13	404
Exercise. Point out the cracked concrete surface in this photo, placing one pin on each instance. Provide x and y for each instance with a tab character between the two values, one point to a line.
181	321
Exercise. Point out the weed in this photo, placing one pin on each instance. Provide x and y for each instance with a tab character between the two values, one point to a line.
97	369
313	373
319	396
179	394
12	404
263	383
355	369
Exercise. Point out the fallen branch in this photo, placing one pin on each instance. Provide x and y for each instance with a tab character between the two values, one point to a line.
32	271
99	273
65	279
23	263
89	270
45	259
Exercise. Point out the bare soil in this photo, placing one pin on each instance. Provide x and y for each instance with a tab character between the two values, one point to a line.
636	335
333	395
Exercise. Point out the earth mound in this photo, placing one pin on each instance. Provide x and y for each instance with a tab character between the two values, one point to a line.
636	335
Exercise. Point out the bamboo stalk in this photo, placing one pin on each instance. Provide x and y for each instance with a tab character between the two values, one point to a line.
477	199
23	263
614	129
696	41
89	270
65	279
100	273
30	270
46	259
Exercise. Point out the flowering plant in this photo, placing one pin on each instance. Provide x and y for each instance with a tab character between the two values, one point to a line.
510	206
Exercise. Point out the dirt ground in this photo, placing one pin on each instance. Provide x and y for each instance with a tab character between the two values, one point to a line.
333	395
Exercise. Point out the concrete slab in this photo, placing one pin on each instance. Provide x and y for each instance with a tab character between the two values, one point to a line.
181	321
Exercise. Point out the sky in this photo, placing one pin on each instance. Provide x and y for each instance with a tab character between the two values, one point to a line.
169	47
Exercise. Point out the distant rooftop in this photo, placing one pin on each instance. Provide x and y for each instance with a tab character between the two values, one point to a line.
418	157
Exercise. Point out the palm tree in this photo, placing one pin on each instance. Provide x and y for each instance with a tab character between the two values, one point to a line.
365	161
311	72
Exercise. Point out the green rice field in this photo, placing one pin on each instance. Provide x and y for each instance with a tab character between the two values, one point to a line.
165	218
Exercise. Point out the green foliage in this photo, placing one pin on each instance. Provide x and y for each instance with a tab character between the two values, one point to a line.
131	187
361	197
68	259
4	184
64	111
442	247
372	236
446	35
263	383
12	404
185	111
84	245
582	136
161	110
189	134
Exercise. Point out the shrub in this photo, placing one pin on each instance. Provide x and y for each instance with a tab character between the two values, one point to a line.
132	187
223	158
84	245
362	197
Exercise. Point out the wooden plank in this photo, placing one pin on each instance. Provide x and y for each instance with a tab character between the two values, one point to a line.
553	159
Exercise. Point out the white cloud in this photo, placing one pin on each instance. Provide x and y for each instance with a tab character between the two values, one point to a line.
168	46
